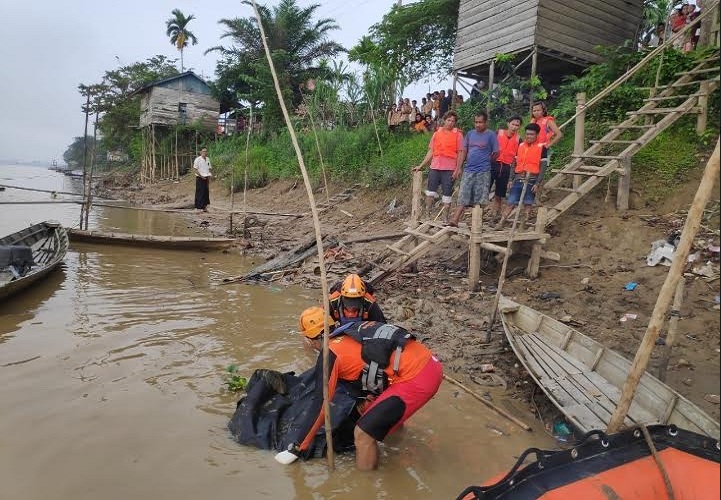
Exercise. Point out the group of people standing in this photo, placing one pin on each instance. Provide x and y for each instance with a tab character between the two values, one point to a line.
485	160
423	117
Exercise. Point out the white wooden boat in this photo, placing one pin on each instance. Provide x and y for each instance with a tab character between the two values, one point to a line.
29	255
584	379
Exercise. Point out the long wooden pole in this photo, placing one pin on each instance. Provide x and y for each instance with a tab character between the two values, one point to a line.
690	228
493	407
506	256
318	239
245	172
93	159
672	330
85	155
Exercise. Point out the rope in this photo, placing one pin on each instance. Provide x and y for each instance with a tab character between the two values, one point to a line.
659	463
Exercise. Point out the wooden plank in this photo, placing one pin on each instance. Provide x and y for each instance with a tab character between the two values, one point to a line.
591	15
474	251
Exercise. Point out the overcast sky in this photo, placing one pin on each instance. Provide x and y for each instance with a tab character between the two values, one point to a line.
49	47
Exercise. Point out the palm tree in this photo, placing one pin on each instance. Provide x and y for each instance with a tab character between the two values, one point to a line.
298	43
177	30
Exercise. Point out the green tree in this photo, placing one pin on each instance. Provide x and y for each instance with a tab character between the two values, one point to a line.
177	30
414	41
298	43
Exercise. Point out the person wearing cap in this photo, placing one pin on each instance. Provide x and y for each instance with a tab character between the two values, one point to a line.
399	373
353	300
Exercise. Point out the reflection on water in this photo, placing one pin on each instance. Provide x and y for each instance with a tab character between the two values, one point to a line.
112	376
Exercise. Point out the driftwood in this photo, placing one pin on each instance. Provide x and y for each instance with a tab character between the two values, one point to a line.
295	256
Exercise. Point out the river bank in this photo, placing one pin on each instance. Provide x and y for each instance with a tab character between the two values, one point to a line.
602	250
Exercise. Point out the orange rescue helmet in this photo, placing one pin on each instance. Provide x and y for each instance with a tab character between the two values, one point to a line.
353	287
311	322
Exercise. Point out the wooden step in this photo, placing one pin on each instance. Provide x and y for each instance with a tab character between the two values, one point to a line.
418	234
397	250
615	141
653	111
568	190
698	71
634	126
579	172
598	157
669	97
590	167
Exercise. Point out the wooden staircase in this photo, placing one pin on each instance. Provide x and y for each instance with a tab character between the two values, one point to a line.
613	152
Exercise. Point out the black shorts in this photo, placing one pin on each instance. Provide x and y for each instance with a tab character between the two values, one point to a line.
440	178
500	173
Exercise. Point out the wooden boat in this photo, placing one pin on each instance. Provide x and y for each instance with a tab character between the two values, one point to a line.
29	255
147	240
584	379
622	465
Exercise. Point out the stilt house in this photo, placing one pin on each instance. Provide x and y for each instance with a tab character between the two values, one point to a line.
553	37
184	98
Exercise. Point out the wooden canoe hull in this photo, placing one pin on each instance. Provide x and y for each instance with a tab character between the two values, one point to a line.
49	242
584	379
143	240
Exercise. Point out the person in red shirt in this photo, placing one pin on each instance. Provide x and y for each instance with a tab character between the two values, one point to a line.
446	155
508	142
399	374
529	163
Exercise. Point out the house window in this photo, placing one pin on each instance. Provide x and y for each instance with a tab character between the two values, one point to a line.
183	111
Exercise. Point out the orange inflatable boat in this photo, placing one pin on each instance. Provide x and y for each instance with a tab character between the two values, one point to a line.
653	463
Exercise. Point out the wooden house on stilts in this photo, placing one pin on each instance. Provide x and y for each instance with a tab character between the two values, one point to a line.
550	38
184	99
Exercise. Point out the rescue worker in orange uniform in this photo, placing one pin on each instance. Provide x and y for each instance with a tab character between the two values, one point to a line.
353	300
445	155
399	373
528	161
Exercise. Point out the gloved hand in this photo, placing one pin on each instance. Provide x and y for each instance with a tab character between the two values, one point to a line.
288	456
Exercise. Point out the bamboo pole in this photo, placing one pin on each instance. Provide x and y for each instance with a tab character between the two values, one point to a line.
318	238
690	228
375	125
672	330
93	159
502	277
534	66
491	76
245	171
493	407
644	61
85	154
579	142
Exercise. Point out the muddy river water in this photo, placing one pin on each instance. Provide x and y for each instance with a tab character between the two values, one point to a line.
112	380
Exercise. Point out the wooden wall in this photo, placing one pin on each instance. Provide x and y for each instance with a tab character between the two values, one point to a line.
160	106
576	27
489	27
571	28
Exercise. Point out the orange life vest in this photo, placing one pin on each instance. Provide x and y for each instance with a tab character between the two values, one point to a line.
445	143
528	158
544	137
508	147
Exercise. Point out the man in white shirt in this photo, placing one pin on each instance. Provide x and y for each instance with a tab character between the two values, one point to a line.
201	166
